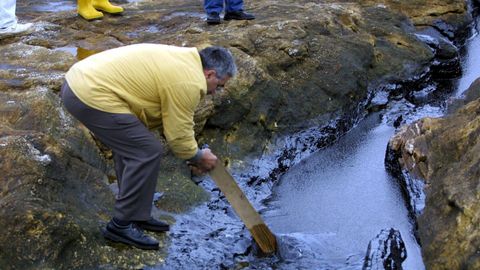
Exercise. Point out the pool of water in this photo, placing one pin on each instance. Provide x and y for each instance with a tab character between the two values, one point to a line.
47	6
471	65
324	211
338	199
341	197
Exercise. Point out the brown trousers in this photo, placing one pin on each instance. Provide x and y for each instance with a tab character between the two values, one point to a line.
136	154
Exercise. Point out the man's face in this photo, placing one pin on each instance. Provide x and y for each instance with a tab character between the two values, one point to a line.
213	83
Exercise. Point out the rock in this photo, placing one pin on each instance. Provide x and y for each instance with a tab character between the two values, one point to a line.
52	207
447	55
302	64
53	190
386	251
25	66
330	51
444	153
472	93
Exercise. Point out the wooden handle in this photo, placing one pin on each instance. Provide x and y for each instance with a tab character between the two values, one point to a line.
235	196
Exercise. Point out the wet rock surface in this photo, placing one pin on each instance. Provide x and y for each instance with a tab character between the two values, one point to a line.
443	153
386	251
302	64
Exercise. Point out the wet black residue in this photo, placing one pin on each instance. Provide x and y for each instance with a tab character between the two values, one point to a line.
212	237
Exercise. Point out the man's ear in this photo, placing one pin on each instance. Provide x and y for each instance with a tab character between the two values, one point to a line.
209	73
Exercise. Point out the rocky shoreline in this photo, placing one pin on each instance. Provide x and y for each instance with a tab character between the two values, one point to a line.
441	156
308	72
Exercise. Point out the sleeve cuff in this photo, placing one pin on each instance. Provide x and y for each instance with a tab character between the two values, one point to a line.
196	157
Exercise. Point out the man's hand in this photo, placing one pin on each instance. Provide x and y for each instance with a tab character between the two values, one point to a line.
206	163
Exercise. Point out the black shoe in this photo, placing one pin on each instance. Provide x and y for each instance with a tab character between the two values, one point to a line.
213	18
153	225
130	235
238	15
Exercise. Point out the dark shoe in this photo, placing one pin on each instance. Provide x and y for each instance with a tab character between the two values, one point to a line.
213	18
238	15
130	235
153	225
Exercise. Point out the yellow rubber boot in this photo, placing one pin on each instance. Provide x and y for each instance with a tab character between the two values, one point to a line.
86	10
104	5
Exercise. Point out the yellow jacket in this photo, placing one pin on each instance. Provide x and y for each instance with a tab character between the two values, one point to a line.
160	84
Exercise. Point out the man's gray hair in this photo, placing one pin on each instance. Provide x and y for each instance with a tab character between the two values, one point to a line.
219	59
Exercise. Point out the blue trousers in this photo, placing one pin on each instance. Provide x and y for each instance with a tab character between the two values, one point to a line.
217	5
7	13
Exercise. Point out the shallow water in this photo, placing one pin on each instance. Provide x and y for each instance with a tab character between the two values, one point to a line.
341	197
471	65
79	52
337	200
47	6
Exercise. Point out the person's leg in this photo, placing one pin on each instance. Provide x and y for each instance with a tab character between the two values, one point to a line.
7	14
234	11
233	5
119	167
8	20
105	5
140	173
137	154
86	10
137	157
213	8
